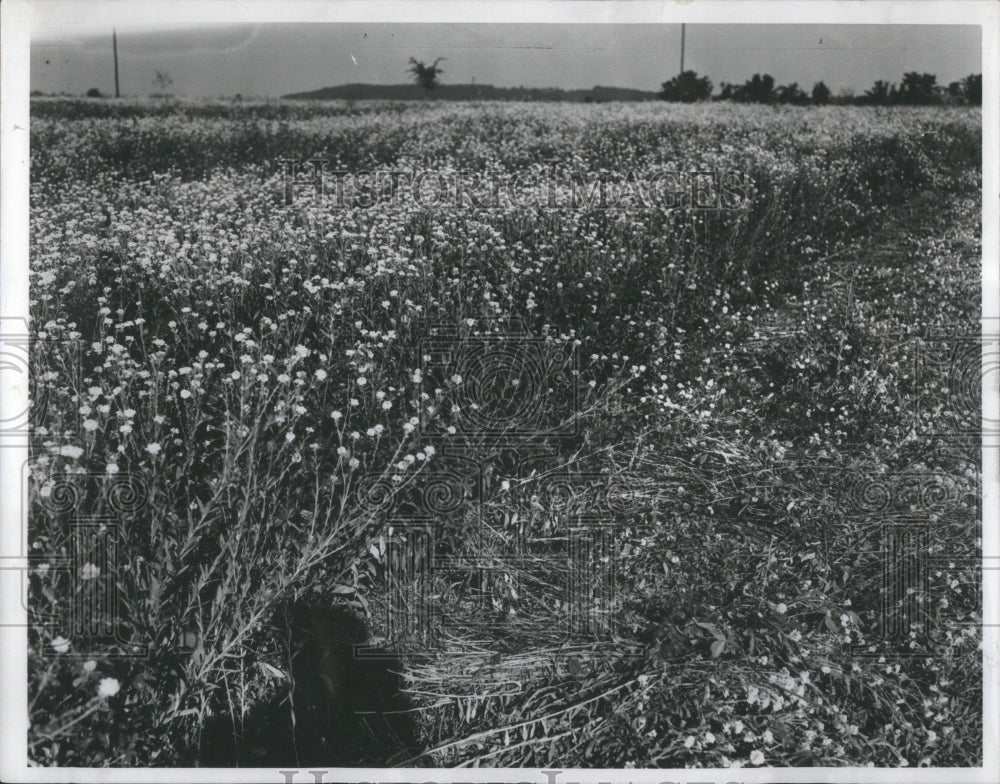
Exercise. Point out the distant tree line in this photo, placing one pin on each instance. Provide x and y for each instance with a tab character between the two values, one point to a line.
915	89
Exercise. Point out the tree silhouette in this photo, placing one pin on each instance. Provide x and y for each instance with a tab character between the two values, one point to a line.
759	89
917	88
687	87
790	93
972	87
425	75
880	93
820	94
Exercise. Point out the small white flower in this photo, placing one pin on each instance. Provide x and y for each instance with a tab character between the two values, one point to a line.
689	741
70	451
321	375
185	394
60	644
90	571
90	665
757	757
108	687
782	608
336	416
153	448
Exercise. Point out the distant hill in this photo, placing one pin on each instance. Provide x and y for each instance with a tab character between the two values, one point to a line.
469	92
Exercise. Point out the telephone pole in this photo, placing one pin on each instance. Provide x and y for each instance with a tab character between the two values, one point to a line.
114	46
682	48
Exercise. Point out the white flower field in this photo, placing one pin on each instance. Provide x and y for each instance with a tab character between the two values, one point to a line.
247	397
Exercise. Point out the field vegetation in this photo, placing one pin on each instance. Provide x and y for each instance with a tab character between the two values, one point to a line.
237	392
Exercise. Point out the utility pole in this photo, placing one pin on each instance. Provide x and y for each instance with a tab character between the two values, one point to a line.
114	45
682	48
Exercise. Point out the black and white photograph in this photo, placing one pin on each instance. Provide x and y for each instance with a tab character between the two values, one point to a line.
556	392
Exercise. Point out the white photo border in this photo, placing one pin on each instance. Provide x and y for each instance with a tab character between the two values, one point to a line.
19	18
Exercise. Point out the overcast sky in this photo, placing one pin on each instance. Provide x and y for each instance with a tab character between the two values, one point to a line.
270	60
